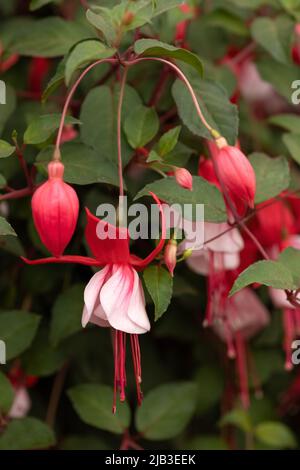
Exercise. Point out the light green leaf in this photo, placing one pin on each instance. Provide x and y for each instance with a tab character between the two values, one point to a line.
3	183
6	150
66	314
203	192
6	394
275	434
292	142
269	273
215	105
166	410
6	228
43	127
289	122
168	141
36	4
17	330
238	418
159	283
27	434
84	53
290	257
141	126
154	48
82	164
274	35
272	175
56	81
93	404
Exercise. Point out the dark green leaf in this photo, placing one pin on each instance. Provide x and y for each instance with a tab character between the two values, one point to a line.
6	394
159	283
43	127
6	228
27	434
141	126
6	149
168	141
17	330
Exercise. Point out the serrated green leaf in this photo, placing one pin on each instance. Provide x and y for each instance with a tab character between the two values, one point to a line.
169	191
275	434
84	53
17	330
166	410
215	105
93	404
141	126
66	314
43	127
269	273
154	48
168	141
272	175
6	228
82	164
159	283
6	150
27	434
274	35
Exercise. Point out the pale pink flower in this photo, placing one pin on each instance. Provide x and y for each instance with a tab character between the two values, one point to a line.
21	403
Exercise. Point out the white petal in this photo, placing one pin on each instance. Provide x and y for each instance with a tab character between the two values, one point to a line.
136	310
91	294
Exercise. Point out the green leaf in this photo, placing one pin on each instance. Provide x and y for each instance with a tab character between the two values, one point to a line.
3	183
154	48
42	359
166	410
275	434
99	120
93	404
238	418
56	81
36	4
27	434
17	330
269	273
203	192
168	141
82	164
292	142
84	53
289	122
159	283
43	127
280	75
290	257
6	394
215	105
224	19
48	37
274	35
101	19
141	126
6	150
272	175
66	314
6	228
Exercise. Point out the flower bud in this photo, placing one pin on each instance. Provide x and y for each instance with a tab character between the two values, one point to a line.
128	18
184	178
236	173
170	256
55	209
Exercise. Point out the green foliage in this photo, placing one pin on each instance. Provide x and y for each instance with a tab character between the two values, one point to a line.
159	284
26	434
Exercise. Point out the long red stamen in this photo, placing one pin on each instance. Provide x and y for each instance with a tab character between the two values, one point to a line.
136	359
242	369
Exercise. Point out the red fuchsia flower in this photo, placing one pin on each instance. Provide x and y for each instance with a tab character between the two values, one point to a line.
242	317
114	296
235	175
182	26
55	209
184	178
38	71
69	133
170	256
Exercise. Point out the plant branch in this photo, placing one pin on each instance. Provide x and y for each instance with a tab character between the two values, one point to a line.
56	392
119	130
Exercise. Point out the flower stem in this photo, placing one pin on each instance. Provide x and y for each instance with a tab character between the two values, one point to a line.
119	130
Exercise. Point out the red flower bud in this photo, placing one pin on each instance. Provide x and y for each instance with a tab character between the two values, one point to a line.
184	178
55	209
128	18
237	175
170	256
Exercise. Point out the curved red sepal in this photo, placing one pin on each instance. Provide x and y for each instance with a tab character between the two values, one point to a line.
64	259
113	250
142	263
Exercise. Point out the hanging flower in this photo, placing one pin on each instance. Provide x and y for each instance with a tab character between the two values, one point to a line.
55	209
114	296
184	178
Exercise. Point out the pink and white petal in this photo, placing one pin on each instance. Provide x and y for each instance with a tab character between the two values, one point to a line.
136	309
115	297
230	242
278	297
21	404
230	261
91	294
199	262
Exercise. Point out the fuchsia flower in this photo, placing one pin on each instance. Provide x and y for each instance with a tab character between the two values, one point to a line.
184	178
114	295
55	209
170	256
